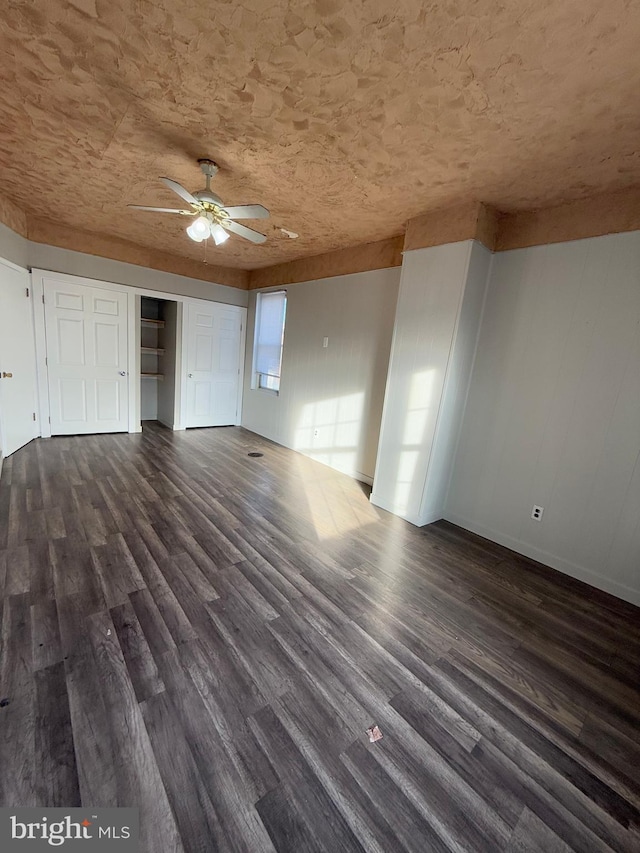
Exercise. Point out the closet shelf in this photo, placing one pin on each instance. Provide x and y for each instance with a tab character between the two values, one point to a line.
159	376
152	350
159	324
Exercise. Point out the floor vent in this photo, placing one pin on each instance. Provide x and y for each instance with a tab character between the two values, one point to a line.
254	454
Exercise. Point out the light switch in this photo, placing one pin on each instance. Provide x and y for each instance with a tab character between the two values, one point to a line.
325	342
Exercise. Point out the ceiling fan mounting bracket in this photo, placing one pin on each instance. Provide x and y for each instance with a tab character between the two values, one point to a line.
209	168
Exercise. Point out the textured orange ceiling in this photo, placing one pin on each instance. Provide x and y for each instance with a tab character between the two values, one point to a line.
345	119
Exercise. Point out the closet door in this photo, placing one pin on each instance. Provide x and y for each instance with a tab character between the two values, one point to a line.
17	360
214	361
86	331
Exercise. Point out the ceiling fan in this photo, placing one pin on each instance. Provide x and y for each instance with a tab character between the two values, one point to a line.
213	219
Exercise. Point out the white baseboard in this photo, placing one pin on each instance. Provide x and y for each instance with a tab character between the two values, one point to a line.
379	502
581	573
363	478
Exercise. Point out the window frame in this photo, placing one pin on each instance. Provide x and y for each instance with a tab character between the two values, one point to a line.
259	379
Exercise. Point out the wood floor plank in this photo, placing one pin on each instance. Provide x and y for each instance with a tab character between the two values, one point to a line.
138	781
17	712
3	572
46	648
239	823
533	836
413	832
163	595
321	739
207	637
154	628
307	798
18	570
56	773
229	697
197	823
141	664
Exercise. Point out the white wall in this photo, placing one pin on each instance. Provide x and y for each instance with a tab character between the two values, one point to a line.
456	385
553	413
441	294
335	392
13	247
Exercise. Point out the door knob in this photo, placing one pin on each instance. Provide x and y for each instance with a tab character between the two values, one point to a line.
123	373
190	375
7	375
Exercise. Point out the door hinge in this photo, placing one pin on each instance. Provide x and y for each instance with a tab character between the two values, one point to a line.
46	361
27	293
34	416
49	419
43	298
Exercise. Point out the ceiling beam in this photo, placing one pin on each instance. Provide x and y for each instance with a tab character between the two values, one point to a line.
470	221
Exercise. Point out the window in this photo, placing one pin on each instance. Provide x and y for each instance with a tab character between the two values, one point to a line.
271	309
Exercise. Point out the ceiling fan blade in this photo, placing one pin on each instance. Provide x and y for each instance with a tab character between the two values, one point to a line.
178	188
248	211
161	209
243	231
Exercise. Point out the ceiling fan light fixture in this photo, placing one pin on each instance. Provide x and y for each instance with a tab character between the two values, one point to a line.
193	234
211	217
199	229
219	234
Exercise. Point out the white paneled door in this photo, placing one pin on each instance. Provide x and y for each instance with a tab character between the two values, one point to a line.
214	360
17	360
86	331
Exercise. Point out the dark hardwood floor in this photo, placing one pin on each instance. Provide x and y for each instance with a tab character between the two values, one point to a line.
207	636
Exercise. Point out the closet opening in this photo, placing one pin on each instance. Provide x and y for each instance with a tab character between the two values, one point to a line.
158	355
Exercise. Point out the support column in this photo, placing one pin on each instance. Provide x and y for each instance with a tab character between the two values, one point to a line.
437	320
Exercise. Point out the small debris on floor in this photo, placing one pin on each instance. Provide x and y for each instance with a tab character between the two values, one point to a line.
374	734
4	702
109	632
254	454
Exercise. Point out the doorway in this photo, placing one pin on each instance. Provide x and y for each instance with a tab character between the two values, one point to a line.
214	344
18	384
158	354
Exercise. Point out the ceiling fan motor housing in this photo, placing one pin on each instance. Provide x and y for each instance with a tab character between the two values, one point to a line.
207	195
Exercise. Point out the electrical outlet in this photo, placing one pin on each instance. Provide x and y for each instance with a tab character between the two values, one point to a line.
536	512
315	433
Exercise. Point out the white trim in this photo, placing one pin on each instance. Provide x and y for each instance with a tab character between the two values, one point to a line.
13	266
581	573
243	357
133	364
42	373
141	291
183	356
180	386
